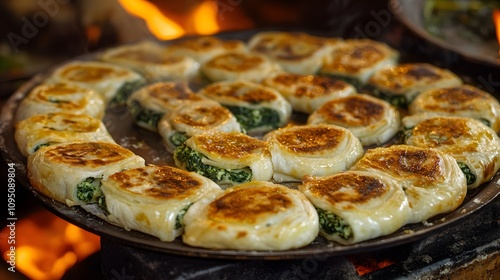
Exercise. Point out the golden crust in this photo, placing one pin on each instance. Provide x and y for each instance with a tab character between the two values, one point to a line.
163	182
206	43
364	188
354	110
240	91
355	56
167	91
210	116
91	73
88	154
310	139
232	145
235	62
308	85
408	75
411	163
293	46
248	204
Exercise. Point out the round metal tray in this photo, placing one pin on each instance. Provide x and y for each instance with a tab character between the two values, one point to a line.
149	146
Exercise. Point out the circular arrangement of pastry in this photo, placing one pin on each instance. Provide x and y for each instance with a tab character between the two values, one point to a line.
292	109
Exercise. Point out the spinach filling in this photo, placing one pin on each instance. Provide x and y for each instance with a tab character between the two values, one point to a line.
332	224
486	122
350	80
89	191
146	116
178	138
179	220
38	147
124	92
193	162
255	118
471	178
395	100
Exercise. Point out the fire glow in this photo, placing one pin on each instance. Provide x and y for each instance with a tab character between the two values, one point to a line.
47	246
203	19
496	20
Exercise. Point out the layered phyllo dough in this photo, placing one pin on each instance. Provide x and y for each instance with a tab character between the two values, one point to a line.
354	206
152	61
314	150
149	104
432	180
226	157
295	52
475	147
306	93
251	216
72	172
355	60
39	131
154	199
239	65
203	48
114	83
258	108
400	84
465	101
61	97
193	119
372	120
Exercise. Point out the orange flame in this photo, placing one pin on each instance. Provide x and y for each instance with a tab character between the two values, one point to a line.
47	246
202	20
496	20
160	26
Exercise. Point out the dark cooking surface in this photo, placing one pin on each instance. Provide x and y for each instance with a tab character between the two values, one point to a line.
149	146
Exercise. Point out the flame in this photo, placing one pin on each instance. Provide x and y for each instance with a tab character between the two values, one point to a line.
47	246
202	20
159	25
496	20
365	263
205	18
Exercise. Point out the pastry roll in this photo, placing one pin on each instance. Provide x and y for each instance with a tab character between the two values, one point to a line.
44	130
400	84
295	52
203	48
61	97
475	147
72	172
355	60
307	93
114	83
432	180
251	216
465	101
193	119
314	150
354	206
225	157
238	65
149	104
152	61
258	108
154	199
372	120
